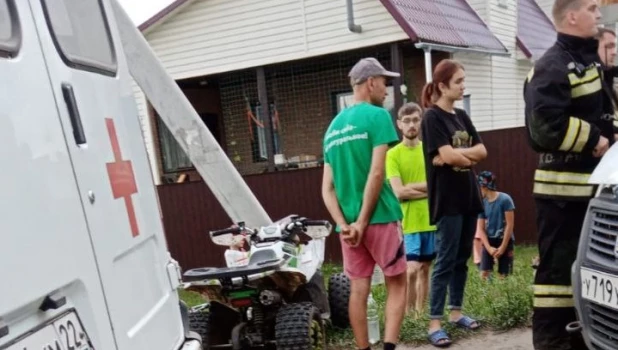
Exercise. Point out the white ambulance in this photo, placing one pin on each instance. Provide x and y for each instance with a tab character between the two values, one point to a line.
83	258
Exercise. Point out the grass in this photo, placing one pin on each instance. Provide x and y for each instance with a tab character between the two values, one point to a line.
498	304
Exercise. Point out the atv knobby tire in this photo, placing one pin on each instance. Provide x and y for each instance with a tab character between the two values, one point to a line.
299	327
338	299
199	322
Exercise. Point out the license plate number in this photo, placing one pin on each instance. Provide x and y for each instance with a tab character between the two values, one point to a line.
64	333
600	288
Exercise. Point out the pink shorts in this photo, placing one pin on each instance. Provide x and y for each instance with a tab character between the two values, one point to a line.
383	245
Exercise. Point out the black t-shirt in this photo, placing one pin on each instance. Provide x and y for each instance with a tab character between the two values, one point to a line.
451	190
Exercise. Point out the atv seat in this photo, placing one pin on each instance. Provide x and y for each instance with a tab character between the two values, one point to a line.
210	273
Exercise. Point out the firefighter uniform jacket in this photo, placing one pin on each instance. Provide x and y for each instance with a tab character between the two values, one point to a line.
568	107
610	74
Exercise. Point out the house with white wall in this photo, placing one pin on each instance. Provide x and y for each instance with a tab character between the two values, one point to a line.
268	76
202	40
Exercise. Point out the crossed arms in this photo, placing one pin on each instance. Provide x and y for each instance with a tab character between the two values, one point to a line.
460	157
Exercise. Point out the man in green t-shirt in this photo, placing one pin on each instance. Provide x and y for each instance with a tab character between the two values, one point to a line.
361	203
405	169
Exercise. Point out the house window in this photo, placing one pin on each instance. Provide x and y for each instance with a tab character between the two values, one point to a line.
258	133
346	99
81	35
10	37
173	157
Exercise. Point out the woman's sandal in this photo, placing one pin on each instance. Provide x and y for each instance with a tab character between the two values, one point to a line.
467	322
439	339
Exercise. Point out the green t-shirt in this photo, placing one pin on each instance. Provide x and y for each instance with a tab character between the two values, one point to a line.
408	164
348	147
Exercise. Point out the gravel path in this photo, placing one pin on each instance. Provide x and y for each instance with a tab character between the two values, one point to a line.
518	339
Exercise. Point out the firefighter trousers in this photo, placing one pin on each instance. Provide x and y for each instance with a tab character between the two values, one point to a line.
559	225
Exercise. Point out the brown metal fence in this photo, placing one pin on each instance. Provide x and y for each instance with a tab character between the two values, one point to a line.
190	209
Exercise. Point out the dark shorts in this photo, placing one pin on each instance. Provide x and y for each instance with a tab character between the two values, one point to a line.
505	263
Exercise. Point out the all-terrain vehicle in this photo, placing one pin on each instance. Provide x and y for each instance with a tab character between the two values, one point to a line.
277	298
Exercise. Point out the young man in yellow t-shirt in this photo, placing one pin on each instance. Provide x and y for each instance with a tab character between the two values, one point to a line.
405	169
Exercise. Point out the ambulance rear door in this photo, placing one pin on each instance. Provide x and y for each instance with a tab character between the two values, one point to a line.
91	83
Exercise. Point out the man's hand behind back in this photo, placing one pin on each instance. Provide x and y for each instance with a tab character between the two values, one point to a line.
351	235
601	147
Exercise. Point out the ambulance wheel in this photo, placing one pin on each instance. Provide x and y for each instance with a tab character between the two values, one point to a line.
338	299
299	326
199	322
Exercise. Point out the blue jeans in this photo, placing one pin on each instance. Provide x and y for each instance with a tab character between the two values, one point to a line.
453	247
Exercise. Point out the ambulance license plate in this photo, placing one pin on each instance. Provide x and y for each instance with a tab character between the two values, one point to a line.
600	288
64	333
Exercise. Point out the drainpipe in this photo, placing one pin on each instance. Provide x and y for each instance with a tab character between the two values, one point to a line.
354	28
428	70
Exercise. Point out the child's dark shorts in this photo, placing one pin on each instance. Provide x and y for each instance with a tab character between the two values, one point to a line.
505	263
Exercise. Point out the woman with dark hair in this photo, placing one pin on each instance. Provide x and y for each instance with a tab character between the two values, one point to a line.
451	146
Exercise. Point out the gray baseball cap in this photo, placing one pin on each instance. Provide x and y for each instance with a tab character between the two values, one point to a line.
369	67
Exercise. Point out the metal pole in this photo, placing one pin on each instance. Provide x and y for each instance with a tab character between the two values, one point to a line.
428	66
188	129
268	131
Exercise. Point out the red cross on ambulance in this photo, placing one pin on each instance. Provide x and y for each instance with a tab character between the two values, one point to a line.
121	177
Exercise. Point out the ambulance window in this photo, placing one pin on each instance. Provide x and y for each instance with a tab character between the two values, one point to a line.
9	29
81	34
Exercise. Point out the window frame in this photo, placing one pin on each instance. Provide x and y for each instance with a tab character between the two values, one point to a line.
81	63
10	48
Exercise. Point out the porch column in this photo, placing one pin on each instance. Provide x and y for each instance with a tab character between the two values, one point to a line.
396	66
263	97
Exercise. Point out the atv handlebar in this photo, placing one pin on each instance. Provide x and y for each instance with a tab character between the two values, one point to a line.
292	229
233	230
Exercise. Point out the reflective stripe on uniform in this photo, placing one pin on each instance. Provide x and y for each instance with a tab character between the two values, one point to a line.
561	177
582	138
586	88
563	190
576	135
591	74
571	134
530	74
553	302
586	85
548	289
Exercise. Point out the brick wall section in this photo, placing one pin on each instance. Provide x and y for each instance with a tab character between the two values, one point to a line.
305	95
303	92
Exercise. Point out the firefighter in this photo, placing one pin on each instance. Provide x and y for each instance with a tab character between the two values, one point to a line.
607	54
569	124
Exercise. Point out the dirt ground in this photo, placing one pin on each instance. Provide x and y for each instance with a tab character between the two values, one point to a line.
518	339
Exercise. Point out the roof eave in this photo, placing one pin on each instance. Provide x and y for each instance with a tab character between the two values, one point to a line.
160	16
451	48
523	47
409	30
403	23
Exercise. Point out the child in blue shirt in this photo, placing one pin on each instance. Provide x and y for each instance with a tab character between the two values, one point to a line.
496	227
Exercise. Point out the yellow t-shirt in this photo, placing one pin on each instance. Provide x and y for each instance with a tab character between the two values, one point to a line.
408	164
